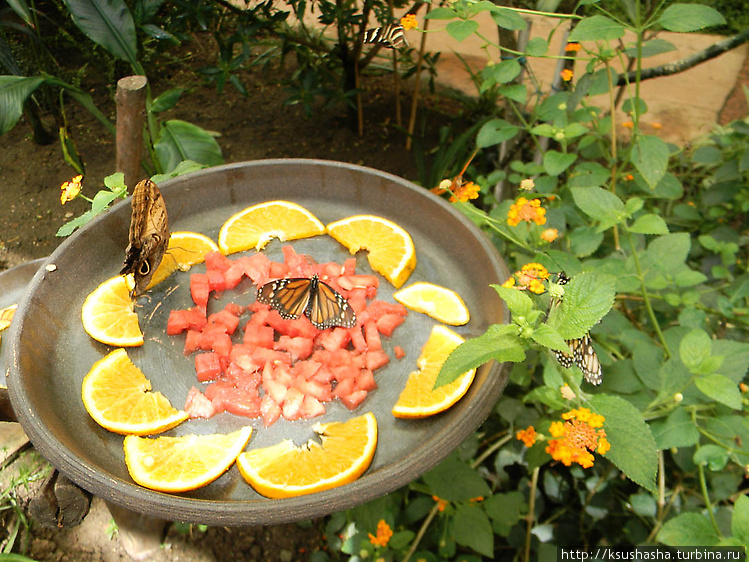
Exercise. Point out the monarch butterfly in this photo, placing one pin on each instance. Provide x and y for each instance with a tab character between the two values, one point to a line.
583	354
294	296
390	36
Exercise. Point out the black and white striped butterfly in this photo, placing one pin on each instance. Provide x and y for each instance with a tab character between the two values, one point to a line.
390	36
294	296
581	353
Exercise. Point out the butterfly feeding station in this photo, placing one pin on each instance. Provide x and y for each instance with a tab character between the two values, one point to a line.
49	352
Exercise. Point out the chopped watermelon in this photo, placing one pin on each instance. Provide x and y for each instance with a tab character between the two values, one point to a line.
282	367
400	353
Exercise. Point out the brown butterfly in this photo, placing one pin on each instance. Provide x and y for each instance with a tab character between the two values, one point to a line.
149	235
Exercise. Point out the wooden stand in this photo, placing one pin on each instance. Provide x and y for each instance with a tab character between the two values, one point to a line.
131	116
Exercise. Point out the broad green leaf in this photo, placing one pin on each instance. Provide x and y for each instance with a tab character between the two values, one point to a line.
504	72
643	504
584	240
587	298
712	456
499	342
108	23
633	449
471	527
184	167
179	140
516	92
740	519
548	337
557	162
167	100
455	481
651	48
694	348
508	19
494	132
441	13
721	389
596	28
505	510
14	91
690	17
667	253
650	157
519	303
599	204
21	8
677	430
537	47
460	30
102	200
688	529
70	226
82	97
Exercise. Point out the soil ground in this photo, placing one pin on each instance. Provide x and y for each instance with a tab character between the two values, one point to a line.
258	126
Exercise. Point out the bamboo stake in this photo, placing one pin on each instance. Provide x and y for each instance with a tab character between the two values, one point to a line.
419	65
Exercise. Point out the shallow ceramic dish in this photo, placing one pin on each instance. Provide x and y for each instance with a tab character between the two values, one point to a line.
51	353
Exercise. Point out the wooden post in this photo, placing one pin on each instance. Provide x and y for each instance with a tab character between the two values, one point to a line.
131	116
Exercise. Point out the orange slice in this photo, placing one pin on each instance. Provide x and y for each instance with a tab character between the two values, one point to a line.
419	399
436	301
285	470
256	225
108	314
6	316
118	396
178	464
185	250
391	250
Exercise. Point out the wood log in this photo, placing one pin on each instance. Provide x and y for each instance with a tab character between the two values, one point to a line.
131	115
59	503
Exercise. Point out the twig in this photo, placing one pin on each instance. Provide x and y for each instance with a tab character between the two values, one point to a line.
676	67
530	517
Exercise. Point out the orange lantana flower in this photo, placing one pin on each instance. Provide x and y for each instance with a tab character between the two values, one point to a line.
464	192
408	22
527	436
528	211
575	439
573	47
441	504
530	277
384	532
70	189
566	74
549	235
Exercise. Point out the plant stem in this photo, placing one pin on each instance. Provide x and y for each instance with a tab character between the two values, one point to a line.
420	534
530	517
706	497
617	242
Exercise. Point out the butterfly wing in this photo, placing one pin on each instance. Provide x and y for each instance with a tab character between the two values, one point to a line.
148	235
288	296
390	36
328	308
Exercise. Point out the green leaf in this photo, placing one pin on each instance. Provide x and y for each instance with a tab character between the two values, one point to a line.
14	91
714	457
167	100
471	527
494	132
649	224
677	430
596	28
721	389
441	13
599	204
460	30
401	539
21	8
688	529
508	19
651	48
633	449
587	298
537	47
519	303
102	200
455	481
650	157
108	23
179	140
515	92
184	167
70	226
548	337
557	162
740	519
505	510
499	342
689	17
694	348
667	252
